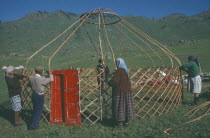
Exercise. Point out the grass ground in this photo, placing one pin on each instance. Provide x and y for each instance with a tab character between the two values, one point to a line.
151	127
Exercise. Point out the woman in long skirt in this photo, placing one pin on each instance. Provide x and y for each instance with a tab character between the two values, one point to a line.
122	97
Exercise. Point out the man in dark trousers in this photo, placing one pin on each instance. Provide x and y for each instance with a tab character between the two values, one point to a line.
14	88
37	83
102	77
194	79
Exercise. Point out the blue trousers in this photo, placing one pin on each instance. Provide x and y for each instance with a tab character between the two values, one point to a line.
38	104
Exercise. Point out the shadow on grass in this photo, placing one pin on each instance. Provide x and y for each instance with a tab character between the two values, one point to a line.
26	115
188	102
7	113
107	122
205	95
92	118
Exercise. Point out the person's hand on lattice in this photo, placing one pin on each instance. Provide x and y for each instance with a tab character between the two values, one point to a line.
50	71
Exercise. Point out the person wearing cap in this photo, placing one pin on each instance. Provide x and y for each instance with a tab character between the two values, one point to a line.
194	79
14	89
196	61
37	83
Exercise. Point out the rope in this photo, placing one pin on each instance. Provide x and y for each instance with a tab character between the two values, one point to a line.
107	38
164	49
105	42
50	42
91	41
59	47
141	33
144	43
121	43
136	45
149	38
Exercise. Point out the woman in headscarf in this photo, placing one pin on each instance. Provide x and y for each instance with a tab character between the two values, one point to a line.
122	97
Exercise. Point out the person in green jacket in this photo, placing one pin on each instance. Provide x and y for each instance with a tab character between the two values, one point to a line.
194	79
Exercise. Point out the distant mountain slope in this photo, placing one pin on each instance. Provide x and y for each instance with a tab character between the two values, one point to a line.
36	29
175	26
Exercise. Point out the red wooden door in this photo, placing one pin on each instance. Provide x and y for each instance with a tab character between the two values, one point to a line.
72	97
65	98
56	98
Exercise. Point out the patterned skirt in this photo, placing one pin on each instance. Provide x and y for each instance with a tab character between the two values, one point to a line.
16	103
123	107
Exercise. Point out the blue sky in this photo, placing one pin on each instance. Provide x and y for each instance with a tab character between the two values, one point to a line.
15	9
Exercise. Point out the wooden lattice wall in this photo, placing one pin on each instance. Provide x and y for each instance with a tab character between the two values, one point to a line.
156	91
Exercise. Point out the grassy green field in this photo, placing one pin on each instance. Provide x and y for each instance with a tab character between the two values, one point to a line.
153	127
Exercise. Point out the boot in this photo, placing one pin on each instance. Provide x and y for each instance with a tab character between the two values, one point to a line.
119	126
196	100
125	123
17	121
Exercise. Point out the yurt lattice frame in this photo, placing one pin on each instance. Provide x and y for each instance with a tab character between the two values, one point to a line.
157	86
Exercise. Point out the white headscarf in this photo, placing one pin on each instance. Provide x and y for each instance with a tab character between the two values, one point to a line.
122	65
9	69
4	68
20	67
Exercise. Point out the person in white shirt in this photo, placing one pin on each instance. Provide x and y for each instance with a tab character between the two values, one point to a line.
37	83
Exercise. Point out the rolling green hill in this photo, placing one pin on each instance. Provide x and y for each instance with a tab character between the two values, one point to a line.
20	38
35	29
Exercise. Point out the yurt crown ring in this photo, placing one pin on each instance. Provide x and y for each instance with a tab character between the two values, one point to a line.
90	17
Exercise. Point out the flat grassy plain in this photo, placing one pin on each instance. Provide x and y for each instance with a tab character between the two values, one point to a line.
150	127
